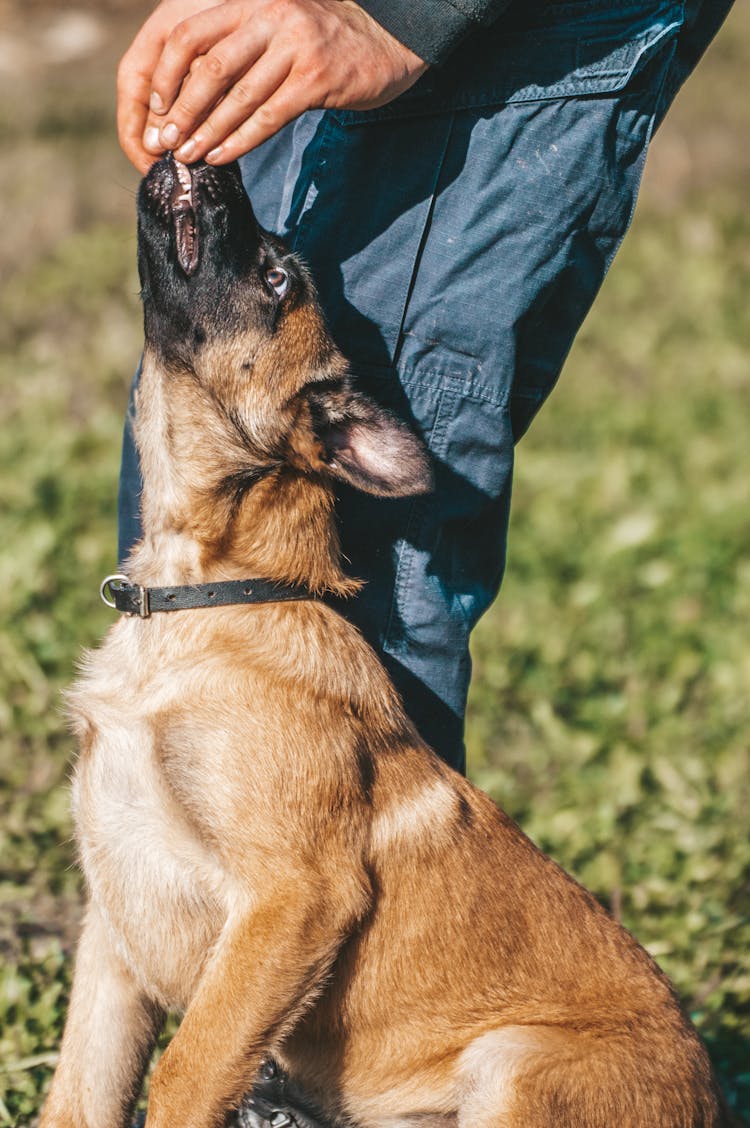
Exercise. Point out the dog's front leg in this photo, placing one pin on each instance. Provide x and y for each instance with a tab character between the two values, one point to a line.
109	1035
267	964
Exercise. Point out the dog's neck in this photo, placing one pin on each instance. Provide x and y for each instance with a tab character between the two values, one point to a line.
281	528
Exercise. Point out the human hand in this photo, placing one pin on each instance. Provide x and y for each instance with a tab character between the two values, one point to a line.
216	79
136	70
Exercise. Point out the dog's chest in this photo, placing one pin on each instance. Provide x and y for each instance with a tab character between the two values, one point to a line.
147	871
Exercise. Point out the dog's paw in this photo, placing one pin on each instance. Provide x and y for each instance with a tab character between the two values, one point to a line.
249	1116
276	1102
257	1114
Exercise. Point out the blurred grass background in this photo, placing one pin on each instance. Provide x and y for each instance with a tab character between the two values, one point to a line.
610	711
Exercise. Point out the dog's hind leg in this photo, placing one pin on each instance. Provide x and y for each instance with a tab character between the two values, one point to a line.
489	1067
538	1077
110	1032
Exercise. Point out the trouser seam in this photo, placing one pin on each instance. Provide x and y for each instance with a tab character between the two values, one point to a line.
423	238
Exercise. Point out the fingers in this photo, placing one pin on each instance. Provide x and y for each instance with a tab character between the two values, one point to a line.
289	100
133	90
134	76
246	50
189	40
204	79
252	89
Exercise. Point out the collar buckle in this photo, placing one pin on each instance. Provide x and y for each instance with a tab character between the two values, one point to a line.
144	606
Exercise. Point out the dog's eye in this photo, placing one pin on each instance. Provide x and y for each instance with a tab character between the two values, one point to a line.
278	280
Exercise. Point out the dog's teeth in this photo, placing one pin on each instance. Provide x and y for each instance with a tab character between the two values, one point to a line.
183	175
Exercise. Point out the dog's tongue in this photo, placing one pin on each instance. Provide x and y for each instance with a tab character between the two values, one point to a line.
185	226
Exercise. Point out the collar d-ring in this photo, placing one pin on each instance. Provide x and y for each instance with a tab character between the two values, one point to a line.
104	588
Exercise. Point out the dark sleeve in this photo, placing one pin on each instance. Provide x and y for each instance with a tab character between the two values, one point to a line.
432	28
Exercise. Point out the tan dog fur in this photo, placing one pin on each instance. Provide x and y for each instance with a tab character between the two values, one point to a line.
270	847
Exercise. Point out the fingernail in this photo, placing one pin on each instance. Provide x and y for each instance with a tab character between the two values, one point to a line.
185	152
151	140
170	135
215	153
156	103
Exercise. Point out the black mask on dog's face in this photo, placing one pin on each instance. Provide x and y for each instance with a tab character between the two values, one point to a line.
227	306
206	267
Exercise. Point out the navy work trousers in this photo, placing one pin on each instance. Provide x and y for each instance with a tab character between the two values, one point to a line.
458	237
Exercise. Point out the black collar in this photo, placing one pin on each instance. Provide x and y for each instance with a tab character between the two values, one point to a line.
134	599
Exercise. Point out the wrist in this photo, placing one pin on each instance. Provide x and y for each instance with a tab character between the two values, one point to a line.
411	60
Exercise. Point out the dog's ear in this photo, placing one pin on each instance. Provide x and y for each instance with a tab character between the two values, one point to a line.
361	443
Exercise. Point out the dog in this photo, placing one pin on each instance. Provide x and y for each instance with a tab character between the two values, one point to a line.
269	846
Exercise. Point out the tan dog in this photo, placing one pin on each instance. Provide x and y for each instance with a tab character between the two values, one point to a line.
268	844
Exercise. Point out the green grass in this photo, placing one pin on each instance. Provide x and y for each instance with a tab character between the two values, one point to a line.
610	712
69	334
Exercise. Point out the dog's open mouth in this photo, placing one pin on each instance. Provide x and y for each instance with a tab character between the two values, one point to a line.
194	222
183	215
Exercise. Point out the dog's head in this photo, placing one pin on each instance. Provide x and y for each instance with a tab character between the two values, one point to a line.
232	314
